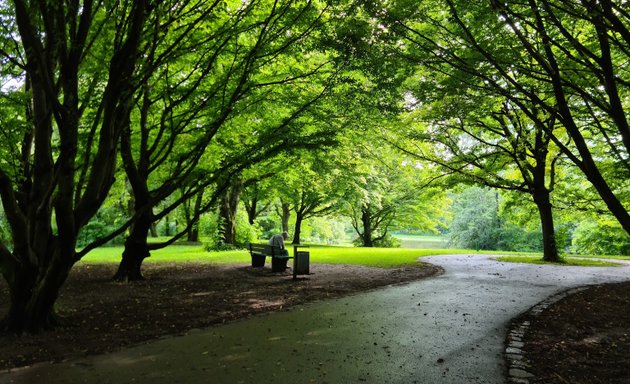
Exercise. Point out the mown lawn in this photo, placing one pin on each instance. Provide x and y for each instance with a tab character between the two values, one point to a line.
375	257
569	261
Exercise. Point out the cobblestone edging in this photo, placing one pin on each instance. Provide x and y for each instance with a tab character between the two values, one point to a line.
517	363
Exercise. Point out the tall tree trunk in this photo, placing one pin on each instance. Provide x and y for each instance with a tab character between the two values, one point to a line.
545	210
33	293
251	207
299	218
285	214
193	233
366	220
587	164
136	250
227	212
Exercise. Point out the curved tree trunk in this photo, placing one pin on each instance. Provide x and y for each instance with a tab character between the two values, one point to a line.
284	216
227	211
299	218
545	210
193	233
366	221
252	210
33	293
136	250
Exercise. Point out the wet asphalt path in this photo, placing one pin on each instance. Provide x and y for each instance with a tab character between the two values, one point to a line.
445	329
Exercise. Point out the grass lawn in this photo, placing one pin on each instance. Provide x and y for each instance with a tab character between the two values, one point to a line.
572	261
376	257
422	242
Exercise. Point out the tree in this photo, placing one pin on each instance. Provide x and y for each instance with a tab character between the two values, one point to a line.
557	59
479	140
192	209
313	186
602	237
231	199
70	59
391	192
256	200
476	223
205	111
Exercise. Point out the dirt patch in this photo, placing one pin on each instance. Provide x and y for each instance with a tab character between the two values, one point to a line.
583	338
101	316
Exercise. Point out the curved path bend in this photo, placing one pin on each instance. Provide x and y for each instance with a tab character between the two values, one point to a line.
445	329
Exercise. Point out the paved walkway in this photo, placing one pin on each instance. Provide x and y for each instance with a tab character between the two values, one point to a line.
446	329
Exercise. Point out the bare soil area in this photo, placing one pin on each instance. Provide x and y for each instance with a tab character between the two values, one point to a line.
100	315
582	339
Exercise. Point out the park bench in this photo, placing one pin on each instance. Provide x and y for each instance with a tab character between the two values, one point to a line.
279	259
260	252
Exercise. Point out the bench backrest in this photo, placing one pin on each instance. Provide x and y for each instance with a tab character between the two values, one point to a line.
265	249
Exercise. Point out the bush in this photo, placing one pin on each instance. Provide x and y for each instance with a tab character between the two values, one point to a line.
476	223
603	237
386	242
220	247
106	221
245	232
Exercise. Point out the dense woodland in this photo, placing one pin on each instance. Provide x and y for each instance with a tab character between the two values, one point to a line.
503	125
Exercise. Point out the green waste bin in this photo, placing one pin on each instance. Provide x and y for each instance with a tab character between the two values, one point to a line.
301	263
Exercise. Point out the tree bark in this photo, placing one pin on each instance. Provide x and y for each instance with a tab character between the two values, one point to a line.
227	212
33	293
366	220
299	218
193	233
285	214
252	210
545	210
136	250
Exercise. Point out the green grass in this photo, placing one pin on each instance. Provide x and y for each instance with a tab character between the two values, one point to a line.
611	257
569	261
376	257
421	238
373	257
422	242
171	254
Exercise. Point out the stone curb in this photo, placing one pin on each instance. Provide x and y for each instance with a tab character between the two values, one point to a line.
518	367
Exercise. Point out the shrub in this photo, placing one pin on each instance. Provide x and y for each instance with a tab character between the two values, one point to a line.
602	237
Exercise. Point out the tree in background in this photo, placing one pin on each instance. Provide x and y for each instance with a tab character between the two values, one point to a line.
313	186
600	237
556	59
476	223
257	199
390	192
477	139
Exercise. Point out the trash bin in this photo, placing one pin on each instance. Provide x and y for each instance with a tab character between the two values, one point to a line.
301	263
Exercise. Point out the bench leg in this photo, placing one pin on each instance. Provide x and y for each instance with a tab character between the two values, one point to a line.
258	260
279	264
